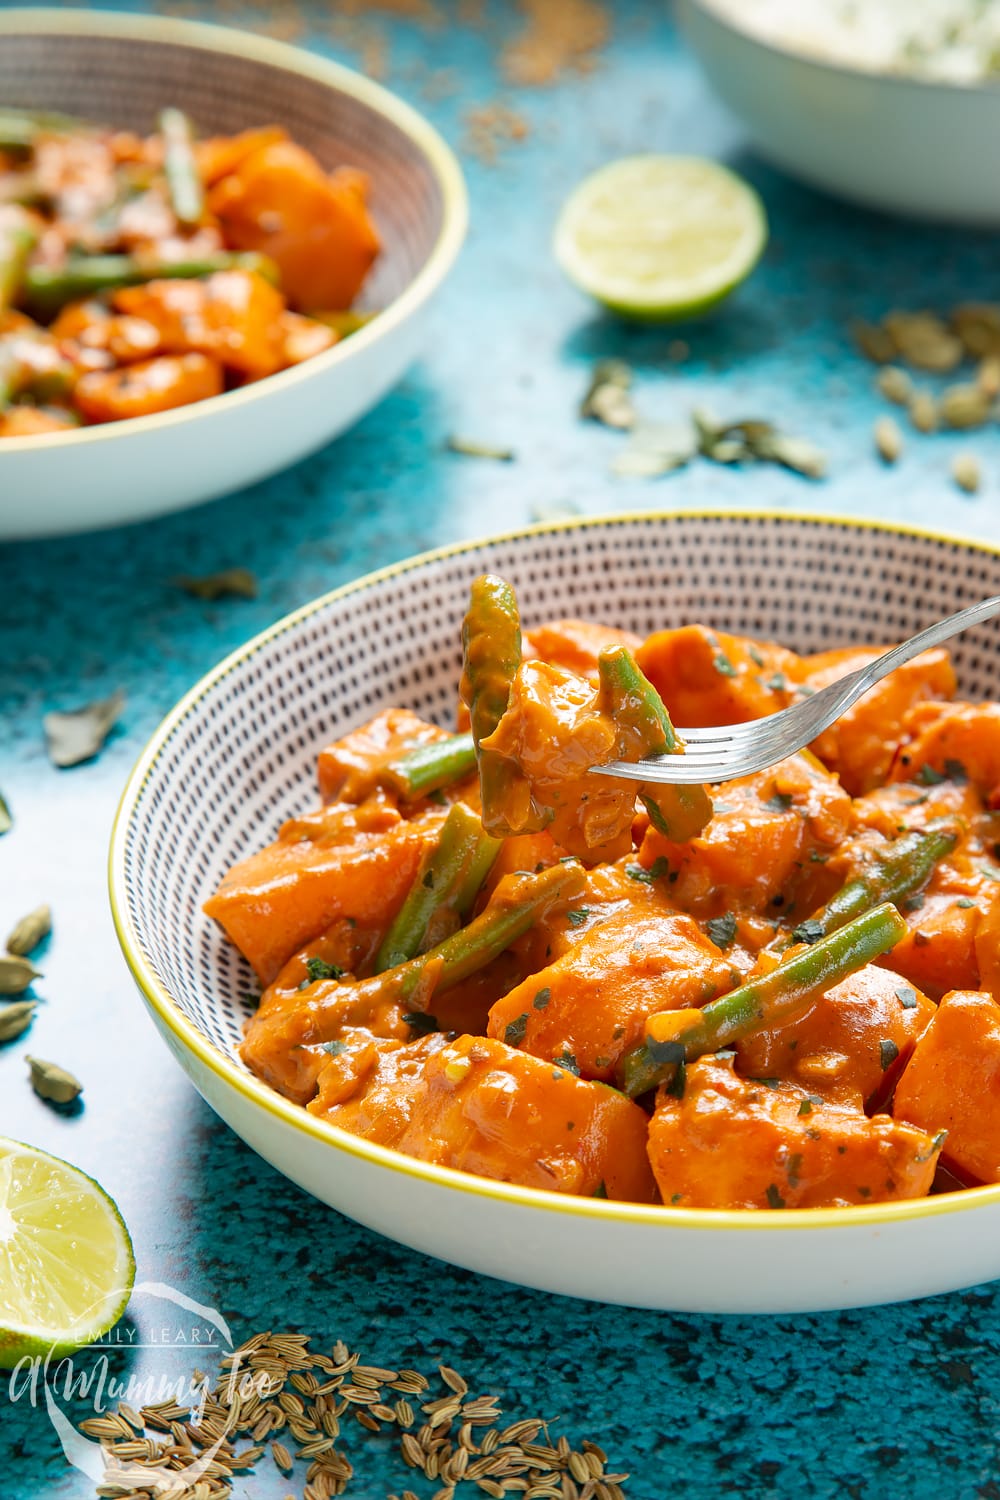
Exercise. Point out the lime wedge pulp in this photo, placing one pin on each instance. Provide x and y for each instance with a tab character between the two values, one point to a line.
66	1264
660	237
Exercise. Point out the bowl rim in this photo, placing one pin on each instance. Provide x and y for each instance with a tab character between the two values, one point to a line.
186	1034
709	9
208	37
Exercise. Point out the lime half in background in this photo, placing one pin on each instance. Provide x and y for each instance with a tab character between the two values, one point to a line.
660	237
66	1263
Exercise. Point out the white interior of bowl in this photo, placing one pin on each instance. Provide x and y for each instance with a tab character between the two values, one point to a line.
238	755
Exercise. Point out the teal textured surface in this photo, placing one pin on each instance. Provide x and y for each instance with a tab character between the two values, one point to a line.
883	1403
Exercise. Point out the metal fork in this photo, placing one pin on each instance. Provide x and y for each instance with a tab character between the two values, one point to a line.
729	750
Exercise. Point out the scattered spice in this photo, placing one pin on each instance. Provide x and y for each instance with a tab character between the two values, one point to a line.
16	974
473	449
490	127
275	1388
888	440
560	35
51	1082
965	472
655	448
30	930
235	583
72	738
15	1019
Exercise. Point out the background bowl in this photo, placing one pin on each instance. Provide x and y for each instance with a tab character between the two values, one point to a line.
901	144
237	757
122	69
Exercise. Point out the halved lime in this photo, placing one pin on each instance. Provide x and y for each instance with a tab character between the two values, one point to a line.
660	237
66	1263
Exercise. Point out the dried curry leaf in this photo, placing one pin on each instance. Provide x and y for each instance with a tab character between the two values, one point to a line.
607	399
72	738
655	448
234	583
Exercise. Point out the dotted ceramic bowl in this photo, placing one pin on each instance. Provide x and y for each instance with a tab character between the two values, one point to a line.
123	69
237	757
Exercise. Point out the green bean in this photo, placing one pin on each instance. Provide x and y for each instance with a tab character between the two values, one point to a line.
16	243
628	697
436	886
429	767
889	875
491	640
768	1001
47	289
187	194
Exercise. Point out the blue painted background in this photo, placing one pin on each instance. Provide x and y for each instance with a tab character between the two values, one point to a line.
895	1402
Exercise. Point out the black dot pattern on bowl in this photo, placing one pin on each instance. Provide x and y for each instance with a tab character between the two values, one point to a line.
124	81
241	759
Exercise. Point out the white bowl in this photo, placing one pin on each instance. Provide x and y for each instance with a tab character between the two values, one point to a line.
237	756
123	69
906	145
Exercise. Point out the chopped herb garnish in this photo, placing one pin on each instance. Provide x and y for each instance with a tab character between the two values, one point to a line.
888	1052
676	1197
514	1033
774	1198
600	1190
578	917
914	902
964	903
656	871
955	771
778	683
794	1168
428	880
755	656
907	997
780	802
929	777
335	1048
769	1083
722	930
542	999
567	1061
722	664
421	1021
809	931
805	1107
817	858
676	1085
320	969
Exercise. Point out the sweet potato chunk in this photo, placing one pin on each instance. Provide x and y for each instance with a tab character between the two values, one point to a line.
576	644
956	740
150	386
349	769
315	228
706	677
234	316
590	1006
850	1045
861	745
952	1083
759	843
273	902
733	1143
939	951
483	1107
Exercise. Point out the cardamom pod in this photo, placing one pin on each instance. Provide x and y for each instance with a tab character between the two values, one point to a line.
895	384
965	472
6	818
923	412
964	406
15	1018
16	973
888	440
30	931
49	1081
